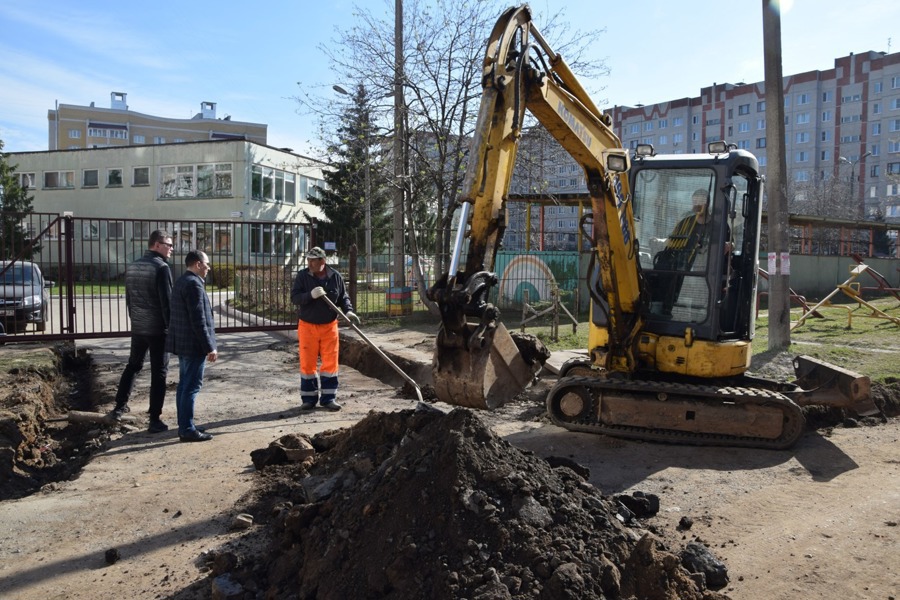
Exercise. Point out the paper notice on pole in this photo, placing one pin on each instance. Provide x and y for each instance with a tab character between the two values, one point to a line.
772	263
785	263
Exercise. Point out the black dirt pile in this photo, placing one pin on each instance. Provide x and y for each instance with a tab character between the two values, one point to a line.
422	504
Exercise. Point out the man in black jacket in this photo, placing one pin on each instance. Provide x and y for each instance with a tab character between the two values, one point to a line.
148	289
317	329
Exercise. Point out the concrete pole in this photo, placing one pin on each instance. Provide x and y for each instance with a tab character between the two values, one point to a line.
776	182
399	151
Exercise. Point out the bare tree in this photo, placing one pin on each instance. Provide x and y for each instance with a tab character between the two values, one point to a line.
444	44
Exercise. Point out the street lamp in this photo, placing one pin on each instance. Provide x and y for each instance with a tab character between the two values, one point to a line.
861	208
368	188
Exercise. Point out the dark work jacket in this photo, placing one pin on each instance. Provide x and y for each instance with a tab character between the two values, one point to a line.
148	288
317	310
191	329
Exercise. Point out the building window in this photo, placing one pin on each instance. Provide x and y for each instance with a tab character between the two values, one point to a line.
158	139
677	138
139	139
895	104
895	83
761	106
663	123
826	116
635	128
695	136
272	239
893	147
275	185
826	96
760	142
90	178
876	108
713	121
876	128
803	119
803	137
114	178
140	176
648	126
787	120
26	180
850	119
801	176
802	99
744	109
802	156
826	135
744	144
876	150
849	139
877	87
826	155
677	121
663	139
195	181
851	98
875	170
762	161
760	123
893	168
695	119
74	134
743	127
59	180
115	230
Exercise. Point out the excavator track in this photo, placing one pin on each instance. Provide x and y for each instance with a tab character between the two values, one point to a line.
680	413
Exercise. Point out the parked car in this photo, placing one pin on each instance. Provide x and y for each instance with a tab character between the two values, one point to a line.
24	297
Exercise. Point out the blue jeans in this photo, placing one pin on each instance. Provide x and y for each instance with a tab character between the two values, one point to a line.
190	380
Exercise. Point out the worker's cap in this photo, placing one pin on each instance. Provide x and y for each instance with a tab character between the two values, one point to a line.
315	252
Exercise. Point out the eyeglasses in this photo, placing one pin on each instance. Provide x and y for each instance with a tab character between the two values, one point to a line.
169	244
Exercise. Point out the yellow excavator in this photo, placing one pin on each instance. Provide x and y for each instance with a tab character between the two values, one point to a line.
672	282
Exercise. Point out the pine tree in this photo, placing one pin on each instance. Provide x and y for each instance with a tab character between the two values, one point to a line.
14	203
358	166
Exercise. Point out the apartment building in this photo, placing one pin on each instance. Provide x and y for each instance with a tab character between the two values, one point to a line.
73	127
842	130
842	146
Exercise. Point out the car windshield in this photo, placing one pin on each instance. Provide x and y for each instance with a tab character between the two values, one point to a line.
18	275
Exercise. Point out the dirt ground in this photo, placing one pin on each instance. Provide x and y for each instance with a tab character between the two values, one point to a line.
148	517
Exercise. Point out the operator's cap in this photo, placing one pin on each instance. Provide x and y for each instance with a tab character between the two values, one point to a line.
315	252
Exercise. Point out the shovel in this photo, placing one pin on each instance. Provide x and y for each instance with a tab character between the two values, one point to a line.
374	347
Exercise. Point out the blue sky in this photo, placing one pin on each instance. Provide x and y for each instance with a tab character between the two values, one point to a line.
248	57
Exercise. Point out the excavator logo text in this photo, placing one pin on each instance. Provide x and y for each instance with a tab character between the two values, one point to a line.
577	128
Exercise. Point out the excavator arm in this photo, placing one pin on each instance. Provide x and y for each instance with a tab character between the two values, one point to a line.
476	361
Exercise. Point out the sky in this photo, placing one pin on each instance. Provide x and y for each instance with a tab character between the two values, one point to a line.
248	58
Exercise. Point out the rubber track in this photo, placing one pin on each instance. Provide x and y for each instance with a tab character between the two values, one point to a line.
794	421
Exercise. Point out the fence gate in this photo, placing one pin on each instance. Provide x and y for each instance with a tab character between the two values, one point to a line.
82	262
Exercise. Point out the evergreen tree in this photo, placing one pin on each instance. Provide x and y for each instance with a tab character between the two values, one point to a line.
14	203
358	166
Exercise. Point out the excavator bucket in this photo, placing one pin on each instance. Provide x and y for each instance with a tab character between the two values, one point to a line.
484	370
826	384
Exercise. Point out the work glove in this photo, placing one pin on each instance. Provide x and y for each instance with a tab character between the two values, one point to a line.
317	292
352	316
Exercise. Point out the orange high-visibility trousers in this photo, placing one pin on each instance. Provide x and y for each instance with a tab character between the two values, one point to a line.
318	341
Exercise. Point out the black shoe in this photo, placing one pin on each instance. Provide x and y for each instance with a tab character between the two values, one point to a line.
118	411
157	426
307	406
331	405
195	436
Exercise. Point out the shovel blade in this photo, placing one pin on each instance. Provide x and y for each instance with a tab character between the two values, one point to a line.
830	385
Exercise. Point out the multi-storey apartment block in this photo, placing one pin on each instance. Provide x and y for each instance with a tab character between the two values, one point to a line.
79	127
842	141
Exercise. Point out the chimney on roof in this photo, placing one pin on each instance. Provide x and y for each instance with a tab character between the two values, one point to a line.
208	110
117	100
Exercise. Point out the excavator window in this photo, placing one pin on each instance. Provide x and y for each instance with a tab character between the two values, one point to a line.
675	209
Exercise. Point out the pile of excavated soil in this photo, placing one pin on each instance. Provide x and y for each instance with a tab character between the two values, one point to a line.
422	504
37	447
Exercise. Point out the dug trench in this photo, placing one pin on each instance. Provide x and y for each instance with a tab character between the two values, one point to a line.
432	502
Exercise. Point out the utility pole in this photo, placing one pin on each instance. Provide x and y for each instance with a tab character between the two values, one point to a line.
399	151
776	182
